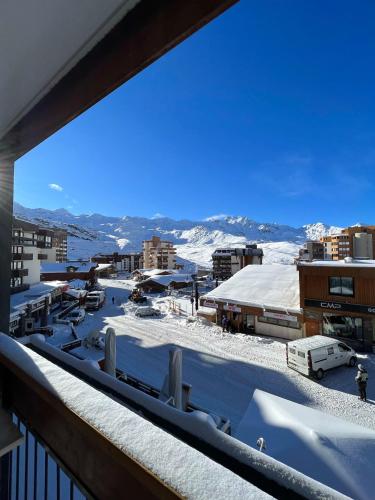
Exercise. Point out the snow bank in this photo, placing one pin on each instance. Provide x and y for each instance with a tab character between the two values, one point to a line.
337	453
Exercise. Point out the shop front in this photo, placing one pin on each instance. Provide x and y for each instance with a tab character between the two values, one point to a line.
351	323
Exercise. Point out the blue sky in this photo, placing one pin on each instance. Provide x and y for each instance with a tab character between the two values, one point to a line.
268	112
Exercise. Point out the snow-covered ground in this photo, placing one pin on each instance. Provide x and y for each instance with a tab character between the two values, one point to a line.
224	369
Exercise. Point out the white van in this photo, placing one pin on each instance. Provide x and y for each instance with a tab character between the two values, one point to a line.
312	356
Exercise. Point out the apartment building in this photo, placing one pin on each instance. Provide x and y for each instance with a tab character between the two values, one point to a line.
357	242
31	245
312	250
228	261
128	262
158	254
60	244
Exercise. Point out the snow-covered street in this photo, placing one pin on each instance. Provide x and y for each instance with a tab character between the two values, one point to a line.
224	369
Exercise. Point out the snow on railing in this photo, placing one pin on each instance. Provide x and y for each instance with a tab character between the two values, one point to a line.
239	457
107	446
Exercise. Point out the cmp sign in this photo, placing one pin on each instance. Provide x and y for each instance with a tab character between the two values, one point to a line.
339	306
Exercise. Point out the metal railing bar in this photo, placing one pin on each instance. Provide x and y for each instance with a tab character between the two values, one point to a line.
18	463
57	482
35	492
26	464
45	475
71	490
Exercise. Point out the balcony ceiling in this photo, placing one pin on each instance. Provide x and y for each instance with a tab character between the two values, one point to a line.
45	48
41	40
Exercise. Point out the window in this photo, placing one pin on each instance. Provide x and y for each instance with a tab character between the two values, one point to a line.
343	326
279	322
292	350
301	354
330	350
339	285
343	348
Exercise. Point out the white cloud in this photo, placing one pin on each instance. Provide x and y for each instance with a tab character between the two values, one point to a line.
213	218
55	187
158	216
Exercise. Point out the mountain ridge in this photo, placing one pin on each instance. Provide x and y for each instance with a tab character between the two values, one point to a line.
90	234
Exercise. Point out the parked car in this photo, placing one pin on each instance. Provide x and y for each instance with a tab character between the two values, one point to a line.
147	311
313	356
76	316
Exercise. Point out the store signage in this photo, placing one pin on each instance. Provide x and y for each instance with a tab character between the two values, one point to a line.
339	306
207	303
230	307
285	317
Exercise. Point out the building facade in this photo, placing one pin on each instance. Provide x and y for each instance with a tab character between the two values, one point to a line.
32	245
128	262
60	244
357	242
228	261
338	300
159	254
258	299
312	250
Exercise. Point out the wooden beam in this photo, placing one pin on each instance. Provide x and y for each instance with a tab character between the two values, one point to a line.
146	33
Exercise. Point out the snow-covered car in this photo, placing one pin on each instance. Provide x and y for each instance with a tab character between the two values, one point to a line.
147	311
76	316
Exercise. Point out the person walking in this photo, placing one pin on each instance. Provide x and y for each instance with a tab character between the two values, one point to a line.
224	323
361	379
113	300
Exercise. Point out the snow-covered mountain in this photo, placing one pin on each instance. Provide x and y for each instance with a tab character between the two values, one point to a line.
195	241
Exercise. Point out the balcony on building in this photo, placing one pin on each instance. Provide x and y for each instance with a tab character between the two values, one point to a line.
19	273
22	256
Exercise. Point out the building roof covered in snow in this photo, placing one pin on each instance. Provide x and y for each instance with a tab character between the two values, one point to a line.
335	452
272	286
63	267
35	292
165	280
347	262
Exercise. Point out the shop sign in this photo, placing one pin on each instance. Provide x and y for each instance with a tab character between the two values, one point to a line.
339	306
230	307
285	317
207	303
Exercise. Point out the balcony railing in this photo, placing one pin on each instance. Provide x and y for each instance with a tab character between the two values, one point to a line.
22	256
63	455
42	256
19	273
19	288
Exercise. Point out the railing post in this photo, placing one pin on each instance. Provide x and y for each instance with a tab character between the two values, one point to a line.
6	219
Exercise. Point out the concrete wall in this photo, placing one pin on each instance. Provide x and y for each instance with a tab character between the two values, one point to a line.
33	267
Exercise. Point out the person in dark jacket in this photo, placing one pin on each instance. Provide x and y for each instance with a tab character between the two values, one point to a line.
113	300
224	323
361	379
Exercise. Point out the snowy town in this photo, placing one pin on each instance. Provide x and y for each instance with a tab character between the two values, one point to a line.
147	356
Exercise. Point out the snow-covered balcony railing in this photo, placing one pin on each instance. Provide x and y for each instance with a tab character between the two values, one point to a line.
81	443
104	445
